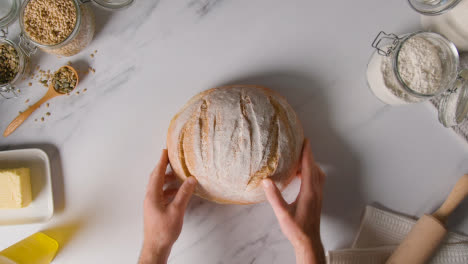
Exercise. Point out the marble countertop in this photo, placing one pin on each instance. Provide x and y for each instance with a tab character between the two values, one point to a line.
155	55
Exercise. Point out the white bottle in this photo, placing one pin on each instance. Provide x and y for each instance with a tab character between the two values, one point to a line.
446	17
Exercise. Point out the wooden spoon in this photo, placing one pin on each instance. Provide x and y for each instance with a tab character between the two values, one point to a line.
51	93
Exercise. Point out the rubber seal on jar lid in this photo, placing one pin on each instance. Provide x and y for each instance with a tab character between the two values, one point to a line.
9	10
113	4
453	108
432	7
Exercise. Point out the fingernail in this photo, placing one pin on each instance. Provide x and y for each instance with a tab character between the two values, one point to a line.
267	183
191	180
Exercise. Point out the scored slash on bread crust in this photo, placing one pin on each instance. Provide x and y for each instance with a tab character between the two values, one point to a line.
231	138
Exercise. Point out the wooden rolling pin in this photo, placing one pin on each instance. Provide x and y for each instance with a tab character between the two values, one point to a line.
426	235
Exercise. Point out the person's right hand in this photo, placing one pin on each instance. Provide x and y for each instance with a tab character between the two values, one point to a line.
300	221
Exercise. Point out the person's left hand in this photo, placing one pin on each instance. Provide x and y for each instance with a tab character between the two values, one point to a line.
163	213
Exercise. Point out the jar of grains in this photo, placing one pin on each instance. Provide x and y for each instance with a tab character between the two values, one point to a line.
448	17
417	67
62	27
13	61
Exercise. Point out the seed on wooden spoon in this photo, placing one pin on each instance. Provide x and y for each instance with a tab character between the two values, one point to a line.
65	80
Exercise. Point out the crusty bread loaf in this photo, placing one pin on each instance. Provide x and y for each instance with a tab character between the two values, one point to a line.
232	137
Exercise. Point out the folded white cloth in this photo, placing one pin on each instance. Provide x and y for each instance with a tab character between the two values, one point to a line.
381	232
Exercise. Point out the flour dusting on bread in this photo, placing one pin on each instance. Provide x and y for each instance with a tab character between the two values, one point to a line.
230	138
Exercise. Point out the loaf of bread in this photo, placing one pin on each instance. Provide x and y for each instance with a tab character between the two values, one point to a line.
231	138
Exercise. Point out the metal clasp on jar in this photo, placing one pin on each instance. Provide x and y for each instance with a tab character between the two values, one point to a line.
385	43
4	32
26	46
453	107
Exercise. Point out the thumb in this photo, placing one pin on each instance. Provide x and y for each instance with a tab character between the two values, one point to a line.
281	209
184	194
276	200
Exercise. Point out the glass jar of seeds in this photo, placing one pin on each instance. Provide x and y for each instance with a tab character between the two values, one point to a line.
13	65
61	27
13	62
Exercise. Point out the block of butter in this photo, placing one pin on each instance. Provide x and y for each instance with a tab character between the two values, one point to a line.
15	188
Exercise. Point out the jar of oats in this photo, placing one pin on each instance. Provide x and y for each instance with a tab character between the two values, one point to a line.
61	27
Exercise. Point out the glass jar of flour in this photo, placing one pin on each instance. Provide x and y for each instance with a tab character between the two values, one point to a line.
447	17
416	67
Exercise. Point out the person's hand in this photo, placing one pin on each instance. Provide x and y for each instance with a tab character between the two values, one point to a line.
163	213
300	221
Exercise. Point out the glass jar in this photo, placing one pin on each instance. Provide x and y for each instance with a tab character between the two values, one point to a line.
80	37
7	89
82	33
447	17
8	13
389	73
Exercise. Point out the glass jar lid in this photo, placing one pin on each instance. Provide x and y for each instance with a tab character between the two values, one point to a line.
113	4
9	10
453	108
433	7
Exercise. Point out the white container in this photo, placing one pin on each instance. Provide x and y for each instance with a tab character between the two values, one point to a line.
41	208
446	17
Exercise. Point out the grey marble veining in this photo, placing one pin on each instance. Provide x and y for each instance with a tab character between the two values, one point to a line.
203	7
